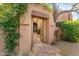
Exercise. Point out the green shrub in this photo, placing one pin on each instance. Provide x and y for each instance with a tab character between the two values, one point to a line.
70	31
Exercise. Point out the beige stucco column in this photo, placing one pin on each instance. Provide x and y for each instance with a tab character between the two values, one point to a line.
51	29
25	33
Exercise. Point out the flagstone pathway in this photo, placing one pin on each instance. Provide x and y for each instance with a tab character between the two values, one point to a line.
42	49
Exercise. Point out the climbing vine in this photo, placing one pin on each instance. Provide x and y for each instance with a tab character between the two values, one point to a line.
9	21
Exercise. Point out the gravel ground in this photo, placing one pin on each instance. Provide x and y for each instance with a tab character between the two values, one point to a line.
68	48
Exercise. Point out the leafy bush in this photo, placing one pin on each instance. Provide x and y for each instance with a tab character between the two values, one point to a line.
70	30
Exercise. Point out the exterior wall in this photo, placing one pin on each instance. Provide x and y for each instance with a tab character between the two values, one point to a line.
26	28
64	17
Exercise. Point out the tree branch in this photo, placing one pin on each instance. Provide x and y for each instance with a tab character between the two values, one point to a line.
66	12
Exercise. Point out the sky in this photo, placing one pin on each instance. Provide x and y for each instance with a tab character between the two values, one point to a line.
67	6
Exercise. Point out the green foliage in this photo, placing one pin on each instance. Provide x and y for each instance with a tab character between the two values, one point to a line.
70	30
47	6
9	21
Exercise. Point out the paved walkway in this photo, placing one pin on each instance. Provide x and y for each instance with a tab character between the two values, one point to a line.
42	49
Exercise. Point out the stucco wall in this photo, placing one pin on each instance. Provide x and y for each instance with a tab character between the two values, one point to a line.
64	17
25	33
26	27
